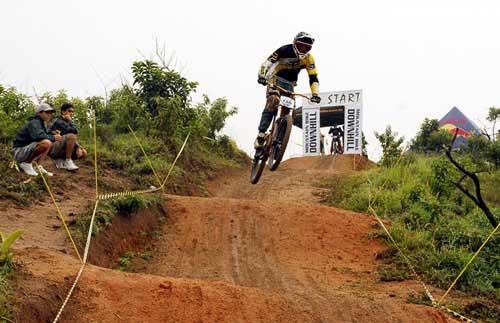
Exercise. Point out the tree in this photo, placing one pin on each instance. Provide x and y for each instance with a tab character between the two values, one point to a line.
430	138
156	82
493	116
475	196
97	104
215	114
128	109
391	146
55	101
15	109
436	141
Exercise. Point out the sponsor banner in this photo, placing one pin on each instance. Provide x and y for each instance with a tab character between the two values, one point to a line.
352	129
310	126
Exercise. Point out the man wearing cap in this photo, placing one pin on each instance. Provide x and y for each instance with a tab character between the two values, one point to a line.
63	152
33	141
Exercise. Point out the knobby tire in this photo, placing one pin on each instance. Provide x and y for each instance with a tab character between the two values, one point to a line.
282	134
258	165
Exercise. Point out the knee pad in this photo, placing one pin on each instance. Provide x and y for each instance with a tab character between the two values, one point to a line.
272	103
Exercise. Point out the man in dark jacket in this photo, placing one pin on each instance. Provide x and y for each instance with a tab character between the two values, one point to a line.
65	151
33	141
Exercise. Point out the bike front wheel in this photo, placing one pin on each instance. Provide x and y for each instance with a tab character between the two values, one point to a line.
258	165
281	136
340	149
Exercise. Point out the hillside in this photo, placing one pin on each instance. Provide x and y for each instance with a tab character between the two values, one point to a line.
248	253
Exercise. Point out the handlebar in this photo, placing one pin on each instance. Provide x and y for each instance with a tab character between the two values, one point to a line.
291	93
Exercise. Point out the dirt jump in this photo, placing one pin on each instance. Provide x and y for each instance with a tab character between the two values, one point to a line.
247	253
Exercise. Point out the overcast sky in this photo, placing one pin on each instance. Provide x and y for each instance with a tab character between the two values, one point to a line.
412	59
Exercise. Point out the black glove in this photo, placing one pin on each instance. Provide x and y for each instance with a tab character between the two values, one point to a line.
262	80
315	99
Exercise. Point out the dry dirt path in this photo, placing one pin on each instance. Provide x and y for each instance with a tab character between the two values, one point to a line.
251	253
294	181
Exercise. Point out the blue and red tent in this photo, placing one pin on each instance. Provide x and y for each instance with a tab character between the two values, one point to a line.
455	121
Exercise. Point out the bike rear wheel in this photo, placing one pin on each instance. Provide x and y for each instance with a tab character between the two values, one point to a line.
258	165
281	136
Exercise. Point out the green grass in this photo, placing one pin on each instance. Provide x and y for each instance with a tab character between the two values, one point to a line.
436	226
6	292
490	191
198	162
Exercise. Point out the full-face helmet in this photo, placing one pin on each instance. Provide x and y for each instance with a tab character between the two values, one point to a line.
302	44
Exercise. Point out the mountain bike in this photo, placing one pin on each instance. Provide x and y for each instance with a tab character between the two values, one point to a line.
336	146
276	140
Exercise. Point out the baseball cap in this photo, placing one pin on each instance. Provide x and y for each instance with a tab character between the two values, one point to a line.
44	107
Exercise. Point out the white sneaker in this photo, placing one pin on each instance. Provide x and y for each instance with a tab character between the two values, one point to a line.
44	171
260	140
69	165
59	163
28	169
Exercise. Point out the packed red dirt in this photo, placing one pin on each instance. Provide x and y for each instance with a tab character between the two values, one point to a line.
247	253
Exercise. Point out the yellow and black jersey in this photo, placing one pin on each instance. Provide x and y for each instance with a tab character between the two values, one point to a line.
285	63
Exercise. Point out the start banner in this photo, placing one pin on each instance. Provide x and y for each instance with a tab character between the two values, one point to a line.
351	102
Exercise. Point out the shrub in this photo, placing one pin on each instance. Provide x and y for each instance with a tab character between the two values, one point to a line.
128	205
391	146
15	108
6	242
6	270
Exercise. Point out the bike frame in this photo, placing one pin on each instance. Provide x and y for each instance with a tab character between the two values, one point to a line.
275	147
337	145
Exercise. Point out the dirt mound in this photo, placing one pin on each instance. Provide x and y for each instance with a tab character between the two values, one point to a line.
328	163
312	256
104	295
224	260
251	253
296	180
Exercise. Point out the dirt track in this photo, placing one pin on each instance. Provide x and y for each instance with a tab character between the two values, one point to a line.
231	258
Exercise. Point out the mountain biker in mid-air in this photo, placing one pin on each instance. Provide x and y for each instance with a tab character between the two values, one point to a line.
286	63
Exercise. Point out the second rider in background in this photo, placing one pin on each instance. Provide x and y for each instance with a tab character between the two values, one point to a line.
286	63
337	145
